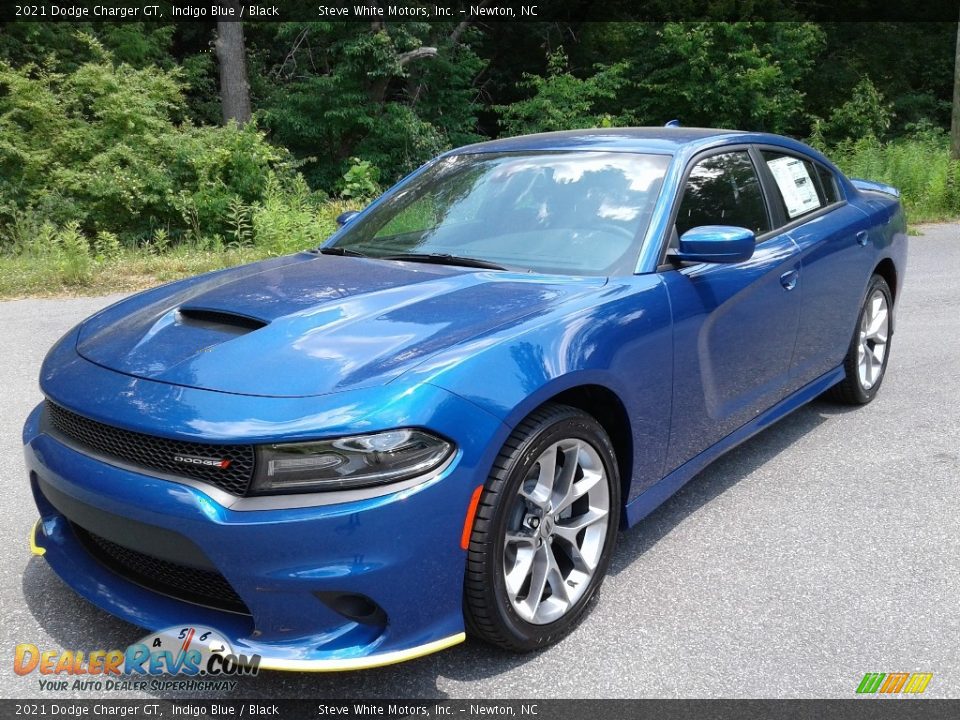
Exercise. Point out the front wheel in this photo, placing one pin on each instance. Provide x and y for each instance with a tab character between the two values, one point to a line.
544	530
869	351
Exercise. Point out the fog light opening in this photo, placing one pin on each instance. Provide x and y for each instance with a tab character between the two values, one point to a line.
355	607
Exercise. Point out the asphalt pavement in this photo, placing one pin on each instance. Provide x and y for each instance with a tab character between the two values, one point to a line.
824	548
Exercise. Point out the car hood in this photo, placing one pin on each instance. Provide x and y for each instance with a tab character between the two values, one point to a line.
312	324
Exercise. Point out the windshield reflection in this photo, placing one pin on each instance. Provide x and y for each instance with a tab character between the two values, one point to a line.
575	213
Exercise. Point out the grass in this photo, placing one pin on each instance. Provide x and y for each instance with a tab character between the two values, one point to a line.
920	167
22	276
61	261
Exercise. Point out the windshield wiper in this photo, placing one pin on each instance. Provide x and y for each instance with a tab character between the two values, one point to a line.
445	259
341	251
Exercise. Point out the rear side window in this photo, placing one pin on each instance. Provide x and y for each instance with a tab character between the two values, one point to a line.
798	184
828	183
723	190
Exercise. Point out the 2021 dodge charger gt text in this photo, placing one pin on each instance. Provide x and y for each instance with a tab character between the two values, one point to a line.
438	421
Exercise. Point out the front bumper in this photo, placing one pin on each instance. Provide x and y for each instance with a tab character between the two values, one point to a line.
402	551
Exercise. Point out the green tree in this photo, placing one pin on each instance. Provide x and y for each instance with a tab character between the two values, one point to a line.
378	91
562	101
864	115
745	75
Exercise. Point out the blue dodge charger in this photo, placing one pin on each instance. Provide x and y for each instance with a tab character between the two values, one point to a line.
436	423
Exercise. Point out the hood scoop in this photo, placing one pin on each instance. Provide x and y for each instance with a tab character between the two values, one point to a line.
218	320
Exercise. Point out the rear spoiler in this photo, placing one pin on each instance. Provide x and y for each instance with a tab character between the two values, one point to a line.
872	186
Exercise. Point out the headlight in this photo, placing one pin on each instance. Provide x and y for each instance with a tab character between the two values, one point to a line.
347	462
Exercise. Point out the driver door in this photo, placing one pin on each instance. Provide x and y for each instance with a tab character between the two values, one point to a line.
735	325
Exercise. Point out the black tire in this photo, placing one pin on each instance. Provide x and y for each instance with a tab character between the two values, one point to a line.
851	390
489	612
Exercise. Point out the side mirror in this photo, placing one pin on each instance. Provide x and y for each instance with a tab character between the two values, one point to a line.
716	244
345	217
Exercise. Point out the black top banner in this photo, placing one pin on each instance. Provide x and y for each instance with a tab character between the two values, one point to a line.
478	11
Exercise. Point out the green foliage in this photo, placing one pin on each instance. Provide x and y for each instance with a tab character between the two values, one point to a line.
159	242
74	256
864	115
562	101
111	153
918	165
238	220
107	147
106	246
343	90
360	180
64	250
743	75
293	219
910	63
64	46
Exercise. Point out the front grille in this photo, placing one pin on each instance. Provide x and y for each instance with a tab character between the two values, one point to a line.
204	587
158	453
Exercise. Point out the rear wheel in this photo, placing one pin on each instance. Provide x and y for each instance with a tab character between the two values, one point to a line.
866	360
544	531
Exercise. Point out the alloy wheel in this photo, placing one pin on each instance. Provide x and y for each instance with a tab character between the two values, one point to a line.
556	531
874	333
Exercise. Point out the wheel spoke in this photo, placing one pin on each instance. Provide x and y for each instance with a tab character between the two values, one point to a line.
569	529
557	584
513	538
878	324
874	334
540	494
578	489
538	580
521	570
567	475
580	561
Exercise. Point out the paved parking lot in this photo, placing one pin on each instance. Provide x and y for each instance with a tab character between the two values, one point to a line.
824	548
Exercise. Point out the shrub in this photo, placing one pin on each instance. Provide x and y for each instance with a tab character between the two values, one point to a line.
107	147
360	180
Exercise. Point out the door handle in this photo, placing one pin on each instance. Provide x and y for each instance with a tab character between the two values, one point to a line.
789	279
862	237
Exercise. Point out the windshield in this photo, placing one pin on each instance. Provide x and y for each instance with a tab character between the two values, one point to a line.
575	213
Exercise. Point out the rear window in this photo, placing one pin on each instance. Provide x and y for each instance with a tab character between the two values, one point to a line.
797	182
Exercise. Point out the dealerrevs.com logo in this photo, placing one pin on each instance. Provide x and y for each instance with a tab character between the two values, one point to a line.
192	651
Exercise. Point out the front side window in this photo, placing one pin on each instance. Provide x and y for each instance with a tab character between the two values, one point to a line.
577	213
723	190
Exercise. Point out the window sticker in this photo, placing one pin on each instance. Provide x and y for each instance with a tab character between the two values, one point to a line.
796	186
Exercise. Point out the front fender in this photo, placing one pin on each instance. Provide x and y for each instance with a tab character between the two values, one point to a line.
620	340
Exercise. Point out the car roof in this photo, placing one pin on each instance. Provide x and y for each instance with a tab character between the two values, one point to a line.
683	141
633	139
